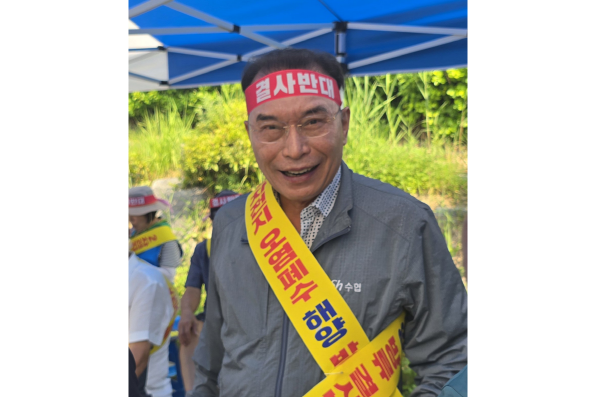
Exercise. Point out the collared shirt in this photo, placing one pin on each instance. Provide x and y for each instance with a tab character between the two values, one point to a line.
312	217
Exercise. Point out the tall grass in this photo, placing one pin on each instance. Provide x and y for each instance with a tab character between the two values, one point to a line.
155	144
426	108
384	145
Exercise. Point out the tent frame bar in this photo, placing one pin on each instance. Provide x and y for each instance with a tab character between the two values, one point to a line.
407	29
288	42
235	58
150	49
182	30
217	29
192	12
202	53
404	51
146	6
204	70
145	78
293	26
228	28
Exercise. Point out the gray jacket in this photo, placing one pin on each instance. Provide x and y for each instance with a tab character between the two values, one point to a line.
385	251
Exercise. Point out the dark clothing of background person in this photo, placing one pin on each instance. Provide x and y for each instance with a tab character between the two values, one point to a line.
198	273
136	386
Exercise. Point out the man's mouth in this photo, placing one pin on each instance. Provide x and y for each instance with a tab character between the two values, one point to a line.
299	172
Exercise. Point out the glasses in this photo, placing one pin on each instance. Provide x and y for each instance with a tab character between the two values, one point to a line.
312	126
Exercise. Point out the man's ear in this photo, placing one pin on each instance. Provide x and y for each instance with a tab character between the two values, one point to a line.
345	123
247	129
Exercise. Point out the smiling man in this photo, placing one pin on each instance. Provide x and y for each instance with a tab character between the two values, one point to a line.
321	277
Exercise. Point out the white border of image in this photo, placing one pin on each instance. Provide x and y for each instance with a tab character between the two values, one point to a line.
533	166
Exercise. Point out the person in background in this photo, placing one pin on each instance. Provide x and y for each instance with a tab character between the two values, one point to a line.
152	309
151	237
190	325
457	386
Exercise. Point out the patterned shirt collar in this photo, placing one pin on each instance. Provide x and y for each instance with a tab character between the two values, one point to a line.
325	201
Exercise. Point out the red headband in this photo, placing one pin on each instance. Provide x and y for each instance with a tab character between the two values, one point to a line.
283	84
220	201
141	201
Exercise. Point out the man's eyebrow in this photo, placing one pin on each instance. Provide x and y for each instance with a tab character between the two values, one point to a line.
316	109
265	117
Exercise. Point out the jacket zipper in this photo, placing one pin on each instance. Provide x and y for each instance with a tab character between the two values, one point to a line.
282	355
286	326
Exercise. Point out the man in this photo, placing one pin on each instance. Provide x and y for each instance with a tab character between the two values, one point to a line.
190	325
152	308
379	250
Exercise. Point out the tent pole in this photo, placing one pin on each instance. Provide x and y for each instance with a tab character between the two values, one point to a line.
340	50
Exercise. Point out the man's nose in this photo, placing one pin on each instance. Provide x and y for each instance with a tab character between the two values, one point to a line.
295	144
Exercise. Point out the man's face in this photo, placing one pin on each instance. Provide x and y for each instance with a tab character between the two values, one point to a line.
299	167
138	222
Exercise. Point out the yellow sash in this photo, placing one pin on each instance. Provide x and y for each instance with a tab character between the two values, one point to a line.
318	311
152	238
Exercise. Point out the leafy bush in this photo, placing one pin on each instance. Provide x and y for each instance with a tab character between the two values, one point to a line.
414	169
218	155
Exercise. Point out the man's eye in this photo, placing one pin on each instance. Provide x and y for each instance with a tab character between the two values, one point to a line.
313	122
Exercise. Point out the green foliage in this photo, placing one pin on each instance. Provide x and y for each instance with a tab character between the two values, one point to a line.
414	169
408	377
409	130
218	155
387	143
190	229
155	144
146	103
451	222
425	107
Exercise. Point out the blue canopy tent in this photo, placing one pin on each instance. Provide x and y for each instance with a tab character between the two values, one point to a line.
189	43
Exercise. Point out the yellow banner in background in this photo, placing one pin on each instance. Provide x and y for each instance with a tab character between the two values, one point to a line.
152	238
317	310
